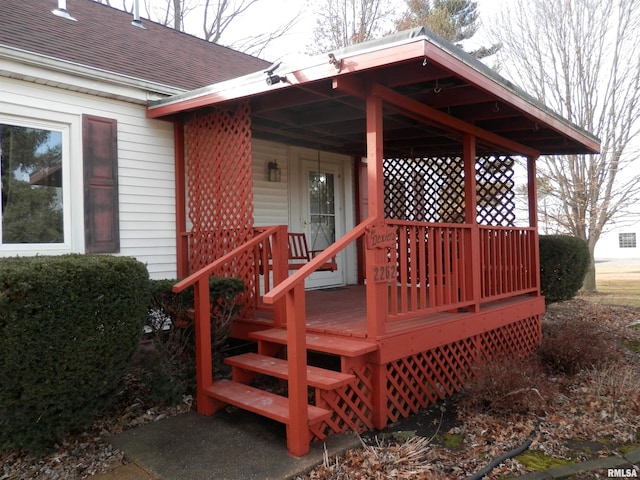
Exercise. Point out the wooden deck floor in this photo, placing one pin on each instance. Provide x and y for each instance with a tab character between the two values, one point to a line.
342	311
339	311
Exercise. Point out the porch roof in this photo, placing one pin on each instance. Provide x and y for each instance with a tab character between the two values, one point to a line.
320	104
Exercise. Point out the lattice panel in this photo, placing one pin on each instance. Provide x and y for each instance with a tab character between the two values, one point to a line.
352	406
424	190
515	339
416	381
495	191
420	380
432	190
220	198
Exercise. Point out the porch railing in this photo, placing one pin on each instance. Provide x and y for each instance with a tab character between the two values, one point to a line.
508	263
436	261
433	269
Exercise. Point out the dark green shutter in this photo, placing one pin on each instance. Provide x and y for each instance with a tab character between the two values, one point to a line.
100	158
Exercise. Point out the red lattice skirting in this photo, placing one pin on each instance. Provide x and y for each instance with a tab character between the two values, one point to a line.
416	381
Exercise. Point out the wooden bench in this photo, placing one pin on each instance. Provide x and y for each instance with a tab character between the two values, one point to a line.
299	255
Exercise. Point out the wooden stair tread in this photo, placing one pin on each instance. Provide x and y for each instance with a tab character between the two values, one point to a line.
261	402
347	347
276	367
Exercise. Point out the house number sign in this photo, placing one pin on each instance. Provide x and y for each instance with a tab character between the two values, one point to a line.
384	272
380	236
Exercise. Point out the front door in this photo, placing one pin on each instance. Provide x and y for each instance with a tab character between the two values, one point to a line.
322	214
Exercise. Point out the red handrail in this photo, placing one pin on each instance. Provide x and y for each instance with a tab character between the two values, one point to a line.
206	271
318	261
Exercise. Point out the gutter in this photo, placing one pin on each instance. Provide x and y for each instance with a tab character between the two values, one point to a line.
154	91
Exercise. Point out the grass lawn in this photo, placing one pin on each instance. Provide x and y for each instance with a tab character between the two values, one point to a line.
617	283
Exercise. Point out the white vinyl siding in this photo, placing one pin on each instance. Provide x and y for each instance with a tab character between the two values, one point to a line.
270	198
145	168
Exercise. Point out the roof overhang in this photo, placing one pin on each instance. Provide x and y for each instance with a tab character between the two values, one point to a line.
433	93
42	69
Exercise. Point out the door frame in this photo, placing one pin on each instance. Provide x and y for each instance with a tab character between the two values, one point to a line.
301	161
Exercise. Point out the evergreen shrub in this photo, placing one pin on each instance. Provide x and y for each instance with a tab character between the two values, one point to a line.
69	326
564	262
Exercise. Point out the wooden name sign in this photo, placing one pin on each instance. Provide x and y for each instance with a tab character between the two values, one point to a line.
380	236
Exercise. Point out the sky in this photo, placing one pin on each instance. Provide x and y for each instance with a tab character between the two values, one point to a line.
293	45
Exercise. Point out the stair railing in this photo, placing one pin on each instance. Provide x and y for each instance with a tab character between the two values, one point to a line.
202	304
292	292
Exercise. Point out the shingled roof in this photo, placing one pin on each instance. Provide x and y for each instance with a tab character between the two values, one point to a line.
104	38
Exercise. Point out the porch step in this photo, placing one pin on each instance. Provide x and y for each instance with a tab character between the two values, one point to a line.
258	401
276	367
346	347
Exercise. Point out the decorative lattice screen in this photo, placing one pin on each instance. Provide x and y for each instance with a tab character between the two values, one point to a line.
219	185
352	405
495	191
424	190
432	190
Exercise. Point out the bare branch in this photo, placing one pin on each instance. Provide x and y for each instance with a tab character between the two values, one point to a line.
580	58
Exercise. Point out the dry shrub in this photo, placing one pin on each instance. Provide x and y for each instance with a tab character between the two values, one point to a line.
617	388
570	346
409	460
506	385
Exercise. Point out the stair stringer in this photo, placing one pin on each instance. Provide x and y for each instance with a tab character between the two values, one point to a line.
351	406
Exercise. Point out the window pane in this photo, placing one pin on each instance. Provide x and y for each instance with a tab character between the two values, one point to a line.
322	204
627	240
31	172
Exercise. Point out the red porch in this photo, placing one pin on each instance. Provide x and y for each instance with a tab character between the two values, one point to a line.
448	274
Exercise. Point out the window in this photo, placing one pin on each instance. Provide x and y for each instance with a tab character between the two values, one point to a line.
627	240
31	186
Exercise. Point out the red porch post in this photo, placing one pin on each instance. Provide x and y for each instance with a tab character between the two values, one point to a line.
182	241
298	435
204	371
533	218
470	202
377	302
280	272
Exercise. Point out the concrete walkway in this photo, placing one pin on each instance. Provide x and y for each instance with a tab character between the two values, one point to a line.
228	446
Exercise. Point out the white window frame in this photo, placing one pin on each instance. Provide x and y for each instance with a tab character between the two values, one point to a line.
70	128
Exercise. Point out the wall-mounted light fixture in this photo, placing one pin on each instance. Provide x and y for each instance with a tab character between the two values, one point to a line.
273	171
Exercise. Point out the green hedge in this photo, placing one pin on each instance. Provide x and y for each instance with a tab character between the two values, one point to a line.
564	262
69	326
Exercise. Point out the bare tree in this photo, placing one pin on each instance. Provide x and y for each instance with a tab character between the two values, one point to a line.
580	57
340	23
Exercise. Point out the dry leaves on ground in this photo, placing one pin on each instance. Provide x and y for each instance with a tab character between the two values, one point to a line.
596	411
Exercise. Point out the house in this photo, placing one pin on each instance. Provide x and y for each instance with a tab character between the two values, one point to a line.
64	79
394	158
621	241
